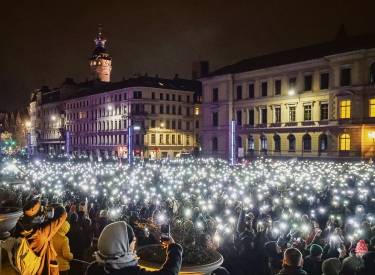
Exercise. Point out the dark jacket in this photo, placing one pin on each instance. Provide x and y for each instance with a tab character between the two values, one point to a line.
292	270
171	266
313	265
76	240
274	258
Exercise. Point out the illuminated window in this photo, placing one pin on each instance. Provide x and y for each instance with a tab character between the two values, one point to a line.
307	112
292	113
196	111
251	143
344	142
372	107
345	109
277	114
263	141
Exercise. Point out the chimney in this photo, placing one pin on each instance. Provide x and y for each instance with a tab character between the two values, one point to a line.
199	69
176	76
157	76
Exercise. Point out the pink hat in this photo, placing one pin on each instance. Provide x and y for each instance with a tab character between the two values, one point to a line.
361	247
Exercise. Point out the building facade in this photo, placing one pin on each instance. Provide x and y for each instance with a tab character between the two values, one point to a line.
165	114
316	101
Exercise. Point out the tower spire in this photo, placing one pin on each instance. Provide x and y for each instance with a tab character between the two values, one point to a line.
100	30
100	41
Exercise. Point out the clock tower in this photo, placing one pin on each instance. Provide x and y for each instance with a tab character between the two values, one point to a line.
100	61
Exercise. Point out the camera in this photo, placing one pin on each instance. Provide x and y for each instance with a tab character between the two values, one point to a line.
165	232
48	211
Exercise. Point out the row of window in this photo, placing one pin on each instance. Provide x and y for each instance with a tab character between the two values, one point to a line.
119	97
345	80
344	143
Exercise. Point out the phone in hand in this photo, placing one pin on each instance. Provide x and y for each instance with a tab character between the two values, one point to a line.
318	230
339	249
165	232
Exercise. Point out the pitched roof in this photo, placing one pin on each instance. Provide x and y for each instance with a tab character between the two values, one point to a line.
341	44
142	81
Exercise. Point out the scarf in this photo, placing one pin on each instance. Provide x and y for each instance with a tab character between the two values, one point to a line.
113	245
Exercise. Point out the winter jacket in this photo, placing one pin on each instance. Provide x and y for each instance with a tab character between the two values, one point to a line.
40	242
274	258
171	266
76	240
313	265
292	270
61	246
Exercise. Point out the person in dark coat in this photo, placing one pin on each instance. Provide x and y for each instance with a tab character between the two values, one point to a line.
76	243
313	263
369	264
292	263
116	254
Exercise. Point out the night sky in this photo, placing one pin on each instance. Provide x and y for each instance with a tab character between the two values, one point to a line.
45	41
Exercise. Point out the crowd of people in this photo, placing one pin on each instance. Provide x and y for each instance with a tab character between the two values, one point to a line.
263	217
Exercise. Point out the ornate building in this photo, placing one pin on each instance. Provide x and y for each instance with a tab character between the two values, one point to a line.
165	114
315	101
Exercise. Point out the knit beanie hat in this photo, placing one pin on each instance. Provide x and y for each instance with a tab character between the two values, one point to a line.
295	233
331	266
361	247
74	217
316	250
31	208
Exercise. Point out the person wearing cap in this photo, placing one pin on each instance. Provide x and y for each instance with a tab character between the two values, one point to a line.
331	266
361	249
39	232
351	264
313	263
368	264
61	246
116	254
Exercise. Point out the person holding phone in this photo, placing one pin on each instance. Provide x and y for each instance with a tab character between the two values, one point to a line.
116	255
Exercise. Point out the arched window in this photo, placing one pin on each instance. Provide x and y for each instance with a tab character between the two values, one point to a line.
250	143
292	142
239	142
344	142
306	142
263	142
215	146
277	140
323	141
372	73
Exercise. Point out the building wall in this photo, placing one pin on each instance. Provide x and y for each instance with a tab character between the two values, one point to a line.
359	93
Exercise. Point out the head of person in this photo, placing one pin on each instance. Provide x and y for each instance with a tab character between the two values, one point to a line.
331	266
292	257
32	212
116	246
316	251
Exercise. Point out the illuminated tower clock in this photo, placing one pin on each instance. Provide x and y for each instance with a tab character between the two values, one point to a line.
100	62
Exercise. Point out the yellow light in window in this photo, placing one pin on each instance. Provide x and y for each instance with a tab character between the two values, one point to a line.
344	142
197	111
372	107
345	109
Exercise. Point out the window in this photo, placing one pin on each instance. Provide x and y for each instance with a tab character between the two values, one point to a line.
308	82
292	113
197	124
323	141
167	139
153	123
250	141
179	98
153	95
239	117
187	125
323	111
372	73
215	119
278	87
179	140
251	117
324	81
153	139
173	110
251	90
152	109
187	140
292	142
306	140
263	116
188	111
345	109
372	107
277	114
161	96
179	125
196	112
167	109
239	142
124	96
264	88
292	83
277	141
307	112
344	142
161	111
173	97
188	98
167	124
263	142
215	146
239	92
173	124
345	77
173	139
179	110
161	141
167	97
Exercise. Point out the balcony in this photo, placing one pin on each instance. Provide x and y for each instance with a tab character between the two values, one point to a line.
138	113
